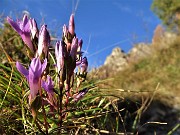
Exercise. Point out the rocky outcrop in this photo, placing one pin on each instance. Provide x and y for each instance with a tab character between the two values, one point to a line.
117	60
162	39
158	35
139	51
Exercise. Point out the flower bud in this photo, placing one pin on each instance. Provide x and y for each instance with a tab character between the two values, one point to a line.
48	84
74	47
71	24
43	42
59	53
80	45
84	65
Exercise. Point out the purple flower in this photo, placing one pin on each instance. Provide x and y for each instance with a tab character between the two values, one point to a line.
84	65
44	41
23	29
48	85
74	47
33	28
59	53
78	62
33	75
80	95
80	42
71	24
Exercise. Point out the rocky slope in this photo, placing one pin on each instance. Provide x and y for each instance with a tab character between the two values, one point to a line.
118	60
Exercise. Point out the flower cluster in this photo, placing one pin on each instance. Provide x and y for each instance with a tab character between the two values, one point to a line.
68	56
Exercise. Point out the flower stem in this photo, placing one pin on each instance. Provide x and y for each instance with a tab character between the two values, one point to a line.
60	101
44	113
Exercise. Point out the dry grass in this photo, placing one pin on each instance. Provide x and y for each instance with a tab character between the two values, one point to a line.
149	90
162	68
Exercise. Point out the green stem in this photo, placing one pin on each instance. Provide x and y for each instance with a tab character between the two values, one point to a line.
44	113
60	101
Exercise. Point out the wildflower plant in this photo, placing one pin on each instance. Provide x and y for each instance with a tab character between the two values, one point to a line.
51	93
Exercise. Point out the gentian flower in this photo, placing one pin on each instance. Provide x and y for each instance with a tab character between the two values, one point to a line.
80	95
49	86
43	42
84	65
59	53
83	71
33	75
23	29
71	27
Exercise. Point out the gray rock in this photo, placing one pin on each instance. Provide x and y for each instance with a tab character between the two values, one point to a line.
139	51
117	60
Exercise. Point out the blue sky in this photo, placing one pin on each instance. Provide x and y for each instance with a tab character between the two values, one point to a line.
102	24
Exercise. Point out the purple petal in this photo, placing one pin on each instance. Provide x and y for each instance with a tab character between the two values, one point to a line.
27	40
35	68
44	65
78	62
48	85
44	85
80	45
37	64
59	55
23	29
33	64
34	86
33	27
26	28
74	48
35	76
14	25
44	41
84	65
25	21
71	24
81	94
22	70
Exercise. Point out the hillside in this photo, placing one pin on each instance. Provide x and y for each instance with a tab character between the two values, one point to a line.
152	80
161	67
